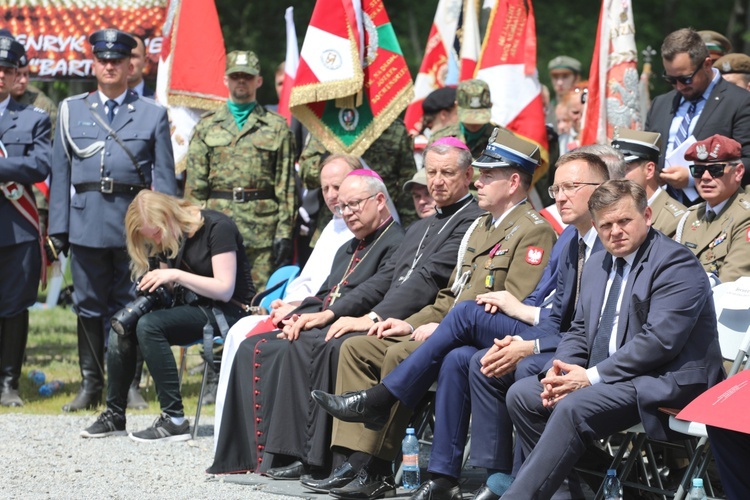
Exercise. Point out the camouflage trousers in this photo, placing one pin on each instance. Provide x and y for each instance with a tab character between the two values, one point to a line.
261	262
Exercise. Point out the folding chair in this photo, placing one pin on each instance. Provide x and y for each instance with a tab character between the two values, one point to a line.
734	340
732	327
275	287
183	366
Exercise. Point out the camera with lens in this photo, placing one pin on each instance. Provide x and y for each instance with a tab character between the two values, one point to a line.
125	320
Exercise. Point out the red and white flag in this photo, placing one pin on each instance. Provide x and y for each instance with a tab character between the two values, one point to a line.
508	64
439	55
352	80
470	43
190	79
290	65
614	95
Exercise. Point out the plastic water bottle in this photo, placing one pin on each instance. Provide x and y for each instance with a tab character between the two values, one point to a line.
50	388
612	487
410	449
697	492
38	377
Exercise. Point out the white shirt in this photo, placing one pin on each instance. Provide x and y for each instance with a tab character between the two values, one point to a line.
592	372
319	264
119	100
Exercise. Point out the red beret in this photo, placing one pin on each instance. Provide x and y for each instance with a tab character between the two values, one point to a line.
715	149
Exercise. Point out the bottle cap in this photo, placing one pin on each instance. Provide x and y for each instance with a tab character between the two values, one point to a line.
410	430
697	481
611	472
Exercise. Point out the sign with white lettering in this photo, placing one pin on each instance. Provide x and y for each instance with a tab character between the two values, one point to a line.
55	32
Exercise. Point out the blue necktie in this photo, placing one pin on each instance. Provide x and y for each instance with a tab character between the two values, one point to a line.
111	105
682	132
600	349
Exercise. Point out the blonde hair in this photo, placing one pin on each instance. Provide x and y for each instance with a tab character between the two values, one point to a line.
174	217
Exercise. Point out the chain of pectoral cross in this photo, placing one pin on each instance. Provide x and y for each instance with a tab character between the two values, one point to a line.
335	292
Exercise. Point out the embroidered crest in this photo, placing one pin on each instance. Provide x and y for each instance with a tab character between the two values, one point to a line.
701	152
534	255
241	59
110	36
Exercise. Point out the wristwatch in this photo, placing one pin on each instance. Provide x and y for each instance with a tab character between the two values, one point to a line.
373	316
535	350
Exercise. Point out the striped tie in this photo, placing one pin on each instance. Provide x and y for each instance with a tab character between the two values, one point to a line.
600	348
682	132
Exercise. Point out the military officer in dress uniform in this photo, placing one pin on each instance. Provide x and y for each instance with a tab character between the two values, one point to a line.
109	145
718	230
641	151
24	160
241	162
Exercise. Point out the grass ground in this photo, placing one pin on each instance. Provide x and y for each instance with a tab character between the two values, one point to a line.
52	348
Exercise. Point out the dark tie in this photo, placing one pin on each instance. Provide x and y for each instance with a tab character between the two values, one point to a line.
581	260
600	349
111	105
710	215
682	132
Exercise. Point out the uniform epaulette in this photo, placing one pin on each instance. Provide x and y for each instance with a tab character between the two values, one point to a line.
78	96
535	217
744	203
674	209
38	110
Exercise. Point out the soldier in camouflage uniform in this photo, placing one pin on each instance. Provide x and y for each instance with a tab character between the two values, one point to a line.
474	127
718	230
241	162
391	156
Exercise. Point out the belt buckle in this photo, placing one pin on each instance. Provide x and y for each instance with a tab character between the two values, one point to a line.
107	185
238	195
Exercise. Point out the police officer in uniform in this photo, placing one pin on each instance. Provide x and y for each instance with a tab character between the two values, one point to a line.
241	162
641	151
718	230
109	145
24	160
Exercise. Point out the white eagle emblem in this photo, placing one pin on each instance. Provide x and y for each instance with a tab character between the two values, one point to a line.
534	255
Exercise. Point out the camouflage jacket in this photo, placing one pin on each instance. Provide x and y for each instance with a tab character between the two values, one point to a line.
391	156
260	156
455	131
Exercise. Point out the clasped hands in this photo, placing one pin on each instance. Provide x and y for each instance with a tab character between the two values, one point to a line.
392	327
561	380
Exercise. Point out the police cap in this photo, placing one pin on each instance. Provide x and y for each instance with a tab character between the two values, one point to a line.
112	44
11	51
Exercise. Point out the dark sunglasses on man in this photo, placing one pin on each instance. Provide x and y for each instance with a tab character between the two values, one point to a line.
685	80
714	170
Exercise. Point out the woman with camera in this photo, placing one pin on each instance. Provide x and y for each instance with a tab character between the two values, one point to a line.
203	279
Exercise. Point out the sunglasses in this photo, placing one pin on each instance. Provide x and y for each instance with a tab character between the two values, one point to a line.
714	170
685	80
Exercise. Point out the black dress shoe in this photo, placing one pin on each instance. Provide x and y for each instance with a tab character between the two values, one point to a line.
341	476
352	407
367	486
430	490
484	493
84	401
292	471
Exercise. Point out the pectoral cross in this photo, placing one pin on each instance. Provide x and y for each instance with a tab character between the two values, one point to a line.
335	294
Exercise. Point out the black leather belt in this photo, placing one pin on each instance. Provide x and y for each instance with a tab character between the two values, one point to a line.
107	185
242	195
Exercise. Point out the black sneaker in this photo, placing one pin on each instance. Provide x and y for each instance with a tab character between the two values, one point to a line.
163	430
108	423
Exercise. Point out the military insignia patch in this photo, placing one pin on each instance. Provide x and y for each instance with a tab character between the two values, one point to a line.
241	59
110	36
695	225
348	119
701	152
534	255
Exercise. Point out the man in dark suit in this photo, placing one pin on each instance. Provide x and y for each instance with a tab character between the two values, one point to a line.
24	160
702	104
651	342
109	145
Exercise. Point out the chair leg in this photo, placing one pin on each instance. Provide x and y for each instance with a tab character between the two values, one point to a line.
692	466
200	401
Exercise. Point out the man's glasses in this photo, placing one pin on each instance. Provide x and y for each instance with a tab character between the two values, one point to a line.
354	206
567	188
685	80
714	170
